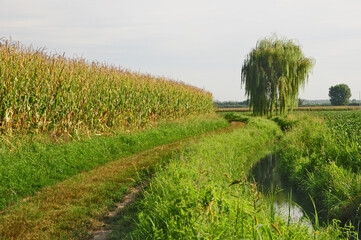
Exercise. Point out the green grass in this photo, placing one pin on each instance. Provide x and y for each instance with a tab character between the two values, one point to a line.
71	208
36	165
321	156
204	193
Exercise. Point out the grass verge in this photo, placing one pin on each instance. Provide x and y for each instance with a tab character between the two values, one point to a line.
322	158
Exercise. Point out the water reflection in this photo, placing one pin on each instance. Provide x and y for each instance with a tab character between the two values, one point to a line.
269	181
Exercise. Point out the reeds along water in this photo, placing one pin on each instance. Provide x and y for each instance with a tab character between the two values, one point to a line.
42	93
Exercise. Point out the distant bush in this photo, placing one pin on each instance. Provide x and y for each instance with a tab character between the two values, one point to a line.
284	122
232	116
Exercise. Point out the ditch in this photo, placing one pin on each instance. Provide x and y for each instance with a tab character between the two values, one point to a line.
287	202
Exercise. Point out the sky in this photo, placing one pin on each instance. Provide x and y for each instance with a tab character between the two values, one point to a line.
200	42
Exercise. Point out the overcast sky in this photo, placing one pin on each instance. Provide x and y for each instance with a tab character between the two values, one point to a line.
200	42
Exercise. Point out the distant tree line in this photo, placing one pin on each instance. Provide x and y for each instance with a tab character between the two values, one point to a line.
301	103
231	104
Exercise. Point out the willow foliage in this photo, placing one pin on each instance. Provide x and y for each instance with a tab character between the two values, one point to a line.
272	74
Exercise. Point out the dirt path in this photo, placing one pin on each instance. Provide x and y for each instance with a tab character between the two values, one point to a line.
68	210
103	233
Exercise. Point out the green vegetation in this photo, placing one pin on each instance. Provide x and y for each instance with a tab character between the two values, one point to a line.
51	94
321	155
69	209
36	165
233	116
204	193
345	125
272	74
339	94
285	123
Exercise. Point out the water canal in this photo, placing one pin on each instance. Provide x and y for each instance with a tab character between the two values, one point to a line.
286	200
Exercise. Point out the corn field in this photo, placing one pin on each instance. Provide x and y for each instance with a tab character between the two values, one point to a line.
42	93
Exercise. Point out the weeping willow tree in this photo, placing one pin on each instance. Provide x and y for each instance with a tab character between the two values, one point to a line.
272	74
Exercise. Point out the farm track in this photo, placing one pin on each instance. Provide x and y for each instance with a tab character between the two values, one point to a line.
131	196
45	215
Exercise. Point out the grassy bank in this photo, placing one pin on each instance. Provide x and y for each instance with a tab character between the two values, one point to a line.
35	165
204	193
321	156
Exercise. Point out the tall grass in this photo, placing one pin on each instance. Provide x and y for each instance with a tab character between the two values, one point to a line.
322	157
40	92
